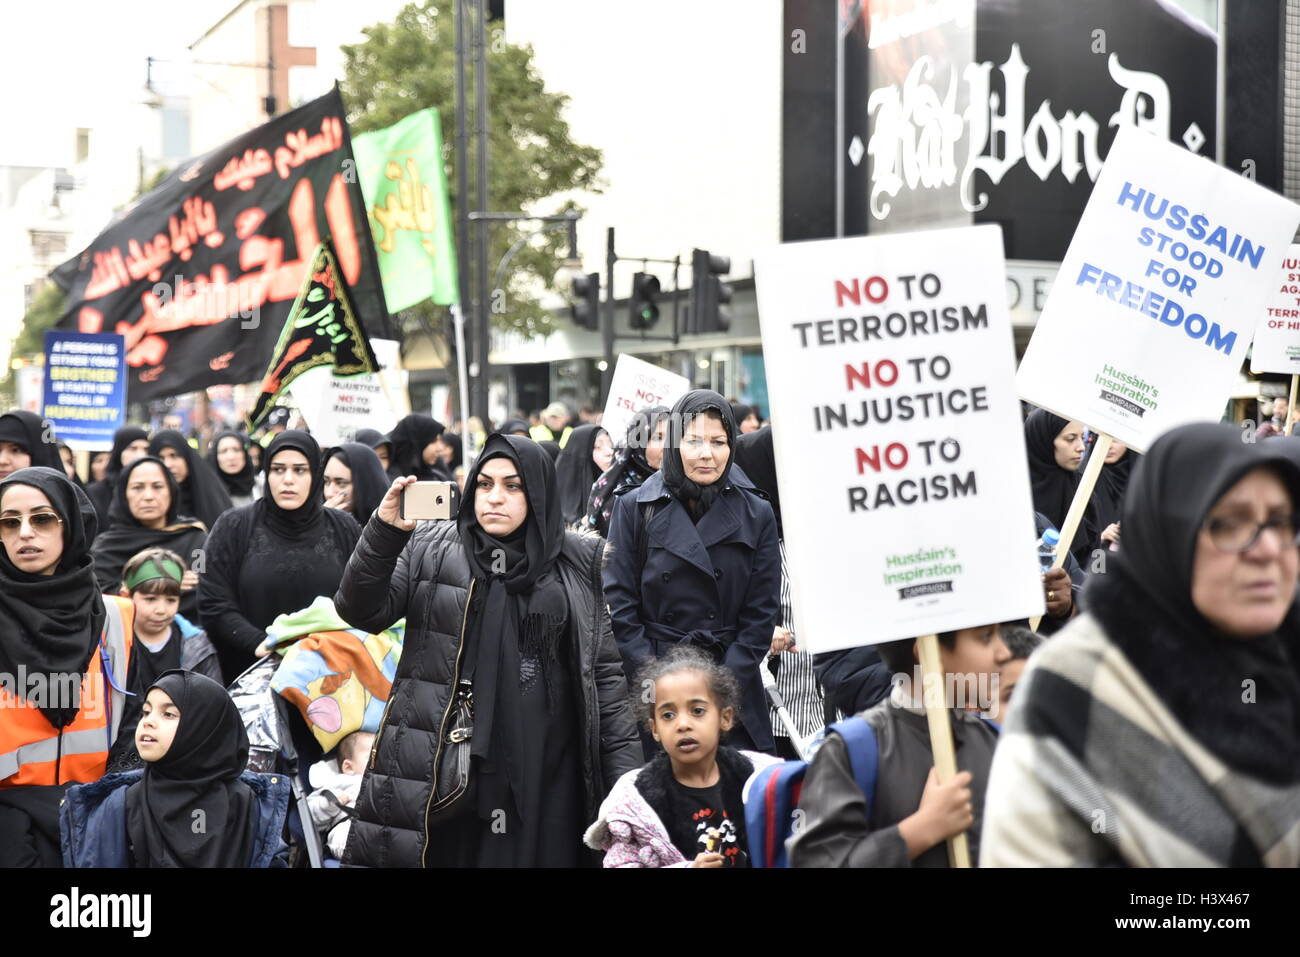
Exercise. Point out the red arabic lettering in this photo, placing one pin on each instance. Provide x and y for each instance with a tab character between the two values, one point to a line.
89	320
343	231
299	147
198	221
109	274
243	171
112	271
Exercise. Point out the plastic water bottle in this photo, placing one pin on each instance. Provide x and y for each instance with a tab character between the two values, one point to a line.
1047	548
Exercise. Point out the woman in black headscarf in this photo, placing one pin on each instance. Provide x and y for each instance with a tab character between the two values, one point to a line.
694	559
515	427
378	443
25	442
145	515
584	458
1172	705
635	461
202	494
1108	497
56	626
228	457
506	601
354	480
1055	449
274	556
129	444
193	742
415	449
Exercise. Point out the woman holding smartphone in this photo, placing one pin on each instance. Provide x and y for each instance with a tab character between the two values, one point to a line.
503	605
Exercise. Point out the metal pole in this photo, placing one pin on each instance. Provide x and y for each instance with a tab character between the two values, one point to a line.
607	327
462	212
481	148
463	377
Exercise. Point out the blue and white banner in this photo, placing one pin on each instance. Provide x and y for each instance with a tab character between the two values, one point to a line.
85	387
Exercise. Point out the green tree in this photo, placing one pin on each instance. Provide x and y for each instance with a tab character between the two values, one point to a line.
45	311
408	65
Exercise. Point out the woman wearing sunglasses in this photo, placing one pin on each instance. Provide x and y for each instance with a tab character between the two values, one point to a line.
64	656
1161	728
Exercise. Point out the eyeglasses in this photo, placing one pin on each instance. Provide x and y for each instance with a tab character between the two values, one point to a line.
40	522
1238	533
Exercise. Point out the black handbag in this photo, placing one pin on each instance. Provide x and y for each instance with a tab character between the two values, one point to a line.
454	790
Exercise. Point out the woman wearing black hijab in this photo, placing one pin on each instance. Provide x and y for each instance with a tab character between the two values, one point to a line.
583	460
26	442
1171	707
415	450
195	749
274	556
145	515
378	443
202	493
354	480
1108	497
694	559
506	601
56	626
129	444
228	457
1055	449
636	460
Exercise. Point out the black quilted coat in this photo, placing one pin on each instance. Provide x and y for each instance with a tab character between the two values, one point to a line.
424	576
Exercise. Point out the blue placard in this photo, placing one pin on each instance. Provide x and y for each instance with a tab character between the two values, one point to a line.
85	387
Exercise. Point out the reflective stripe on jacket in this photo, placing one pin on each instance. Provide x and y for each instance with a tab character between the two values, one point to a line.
33	751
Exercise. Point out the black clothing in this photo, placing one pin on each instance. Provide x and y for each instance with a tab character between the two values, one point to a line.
576	472
1053	486
410	437
1144	603
199	772
127	537
241	483
101	492
369	481
202	494
27	431
756	455
689	813
51	624
425	576
628	470
264	560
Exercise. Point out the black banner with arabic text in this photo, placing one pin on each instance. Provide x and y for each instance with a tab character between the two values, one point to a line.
201	275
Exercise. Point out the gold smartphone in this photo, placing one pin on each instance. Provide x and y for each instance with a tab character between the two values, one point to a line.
426	501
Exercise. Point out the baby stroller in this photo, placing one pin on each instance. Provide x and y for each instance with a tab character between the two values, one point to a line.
280	742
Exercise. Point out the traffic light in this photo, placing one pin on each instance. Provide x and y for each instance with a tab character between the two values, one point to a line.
586	305
709	293
643	311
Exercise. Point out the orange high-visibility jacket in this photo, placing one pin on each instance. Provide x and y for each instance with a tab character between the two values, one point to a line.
33	751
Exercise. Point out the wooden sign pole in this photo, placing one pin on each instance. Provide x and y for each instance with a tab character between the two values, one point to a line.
1079	504
936	713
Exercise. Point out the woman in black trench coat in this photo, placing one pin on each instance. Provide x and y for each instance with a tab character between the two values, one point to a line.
694	558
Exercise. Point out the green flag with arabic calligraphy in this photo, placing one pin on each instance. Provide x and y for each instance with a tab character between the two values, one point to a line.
322	329
405	187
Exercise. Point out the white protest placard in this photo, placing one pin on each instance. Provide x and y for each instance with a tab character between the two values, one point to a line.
638	385
899	447
1154	306
1277	334
336	406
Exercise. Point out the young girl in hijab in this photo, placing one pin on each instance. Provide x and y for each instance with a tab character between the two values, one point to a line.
634	462
582	460
1055	449
686	807
274	556
55	625
193	804
694	560
1161	727
202	494
228	457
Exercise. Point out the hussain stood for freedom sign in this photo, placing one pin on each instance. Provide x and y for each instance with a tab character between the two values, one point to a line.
890	368
1153	309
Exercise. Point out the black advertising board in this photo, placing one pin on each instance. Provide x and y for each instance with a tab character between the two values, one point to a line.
201	274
